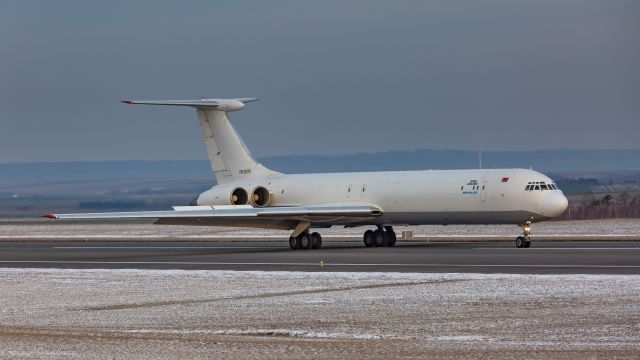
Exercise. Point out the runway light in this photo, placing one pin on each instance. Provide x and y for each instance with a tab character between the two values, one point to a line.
321	263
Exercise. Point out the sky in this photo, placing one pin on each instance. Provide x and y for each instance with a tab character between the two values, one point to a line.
333	77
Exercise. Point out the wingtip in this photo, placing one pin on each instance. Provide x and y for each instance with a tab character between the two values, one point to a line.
49	216
127	101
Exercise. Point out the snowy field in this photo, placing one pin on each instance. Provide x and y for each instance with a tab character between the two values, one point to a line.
623	229
67	314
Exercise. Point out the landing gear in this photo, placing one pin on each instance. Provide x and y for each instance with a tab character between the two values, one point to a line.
305	241
316	240
294	242
368	238
382	237
524	241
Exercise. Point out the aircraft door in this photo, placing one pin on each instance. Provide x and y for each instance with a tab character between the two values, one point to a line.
483	191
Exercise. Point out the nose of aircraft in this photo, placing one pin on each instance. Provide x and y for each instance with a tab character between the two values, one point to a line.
555	203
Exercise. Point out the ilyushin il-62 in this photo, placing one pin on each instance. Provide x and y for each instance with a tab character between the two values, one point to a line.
248	194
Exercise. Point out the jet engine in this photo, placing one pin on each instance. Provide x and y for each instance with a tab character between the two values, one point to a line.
260	196
239	196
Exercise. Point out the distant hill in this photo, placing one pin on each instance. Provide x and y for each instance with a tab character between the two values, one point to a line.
543	160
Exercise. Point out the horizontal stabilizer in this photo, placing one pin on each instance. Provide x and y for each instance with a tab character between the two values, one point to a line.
214	104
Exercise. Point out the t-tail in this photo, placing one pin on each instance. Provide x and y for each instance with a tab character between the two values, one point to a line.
229	156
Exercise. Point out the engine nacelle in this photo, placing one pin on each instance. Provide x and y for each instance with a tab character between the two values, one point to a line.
224	195
260	196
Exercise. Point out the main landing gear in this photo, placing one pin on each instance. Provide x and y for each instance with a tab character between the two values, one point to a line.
382	237
524	241
306	241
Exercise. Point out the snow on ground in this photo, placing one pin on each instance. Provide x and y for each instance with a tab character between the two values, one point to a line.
50	313
47	228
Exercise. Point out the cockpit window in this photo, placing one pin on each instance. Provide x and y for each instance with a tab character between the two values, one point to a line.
540	185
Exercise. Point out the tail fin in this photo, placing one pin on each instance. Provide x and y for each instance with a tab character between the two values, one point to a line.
229	157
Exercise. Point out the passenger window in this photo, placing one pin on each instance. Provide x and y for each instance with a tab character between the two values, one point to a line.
462	187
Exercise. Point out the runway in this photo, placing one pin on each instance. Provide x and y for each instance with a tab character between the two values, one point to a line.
553	257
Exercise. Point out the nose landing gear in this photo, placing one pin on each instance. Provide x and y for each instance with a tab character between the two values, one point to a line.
382	237
524	241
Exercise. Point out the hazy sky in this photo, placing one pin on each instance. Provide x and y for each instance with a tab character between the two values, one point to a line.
332	76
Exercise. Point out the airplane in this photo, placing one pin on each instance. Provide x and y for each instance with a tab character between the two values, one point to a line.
248	194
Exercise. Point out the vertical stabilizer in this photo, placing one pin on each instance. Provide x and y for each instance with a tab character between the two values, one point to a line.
229	157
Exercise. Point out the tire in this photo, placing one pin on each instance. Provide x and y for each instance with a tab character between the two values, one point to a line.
316	240
294	243
391	239
527	242
520	242
380	238
306	243
368	238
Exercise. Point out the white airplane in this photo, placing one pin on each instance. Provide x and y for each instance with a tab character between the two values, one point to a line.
248	194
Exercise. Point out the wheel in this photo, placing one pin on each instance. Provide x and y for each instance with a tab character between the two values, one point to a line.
520	242
527	242
305	241
380	238
316	240
368	238
294	243
391	238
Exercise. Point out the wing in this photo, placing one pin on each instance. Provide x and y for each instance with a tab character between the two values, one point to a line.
242	215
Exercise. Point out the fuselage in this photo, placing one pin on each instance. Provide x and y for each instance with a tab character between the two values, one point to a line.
482	196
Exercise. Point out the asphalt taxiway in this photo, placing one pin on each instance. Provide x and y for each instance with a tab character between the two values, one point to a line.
553	257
